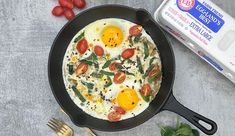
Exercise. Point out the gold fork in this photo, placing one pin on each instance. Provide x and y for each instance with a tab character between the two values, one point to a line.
60	127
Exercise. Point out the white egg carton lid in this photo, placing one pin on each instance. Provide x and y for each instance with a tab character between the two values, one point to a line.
204	28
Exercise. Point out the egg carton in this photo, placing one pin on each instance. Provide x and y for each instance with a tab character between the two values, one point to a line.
204	28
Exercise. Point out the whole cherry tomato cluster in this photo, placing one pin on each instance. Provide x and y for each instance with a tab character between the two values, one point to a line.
66	8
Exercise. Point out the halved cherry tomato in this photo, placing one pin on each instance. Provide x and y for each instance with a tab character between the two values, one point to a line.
79	3
112	66
81	68
119	77
146	90
119	110
128	53
82	46
57	11
135	30
153	72
114	116
99	51
69	14
66	4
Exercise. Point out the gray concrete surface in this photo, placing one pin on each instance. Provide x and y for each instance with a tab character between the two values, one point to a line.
27	30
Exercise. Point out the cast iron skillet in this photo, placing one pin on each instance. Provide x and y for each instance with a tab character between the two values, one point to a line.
164	99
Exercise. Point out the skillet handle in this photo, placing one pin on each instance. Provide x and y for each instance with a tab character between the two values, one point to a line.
173	105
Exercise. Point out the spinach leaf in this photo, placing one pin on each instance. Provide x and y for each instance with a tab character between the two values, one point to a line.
96	64
128	73
77	92
167	131
109	82
119	66
96	75
130	61
79	37
146	50
88	85
107	73
139	65
107	63
71	70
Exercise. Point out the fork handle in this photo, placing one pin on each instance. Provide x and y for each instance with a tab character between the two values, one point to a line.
90	131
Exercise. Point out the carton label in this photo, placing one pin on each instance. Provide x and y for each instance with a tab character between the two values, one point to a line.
203	12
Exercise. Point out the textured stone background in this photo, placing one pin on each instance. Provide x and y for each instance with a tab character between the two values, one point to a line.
27	30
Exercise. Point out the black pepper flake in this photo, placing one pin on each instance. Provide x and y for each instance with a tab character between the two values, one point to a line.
98	39
135	81
89	49
140	104
122	91
105	45
140	81
133	87
132	103
110	90
85	53
127	86
104	23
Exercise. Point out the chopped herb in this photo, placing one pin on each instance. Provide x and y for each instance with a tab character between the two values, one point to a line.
130	61
119	66
130	41
79	37
151	79
71	70
107	63
151	60
88	85
146	50
139	65
146	98
92	57
148	70
128	73
77	92
137	38
96	75
109	82
96	65
89	91
87	62
107	73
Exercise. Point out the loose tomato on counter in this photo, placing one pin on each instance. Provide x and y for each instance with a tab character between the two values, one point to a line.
69	14
146	90
82	46
81	68
128	53
58	11
114	116
79	3
119	77
119	110
135	30
112	66
99	51
66	4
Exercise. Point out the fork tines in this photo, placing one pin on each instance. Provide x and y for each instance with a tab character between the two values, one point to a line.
57	125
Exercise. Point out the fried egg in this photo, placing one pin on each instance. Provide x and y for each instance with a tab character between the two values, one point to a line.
121	76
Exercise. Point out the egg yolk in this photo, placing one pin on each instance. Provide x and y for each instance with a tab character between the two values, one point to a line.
112	36
127	99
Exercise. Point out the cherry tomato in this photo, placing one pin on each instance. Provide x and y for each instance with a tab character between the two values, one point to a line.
114	116
66	4
58	11
119	110
99	51
153	72
112	66
79	3
81	68
119	78
128	53
135	30
69	14
146	90
82	46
